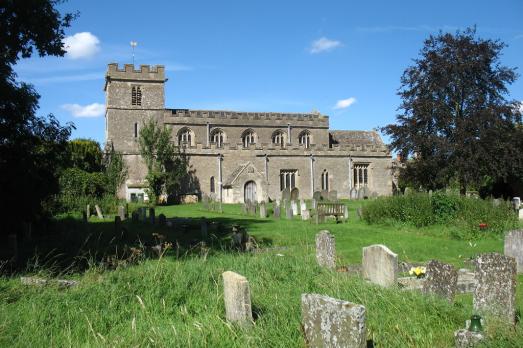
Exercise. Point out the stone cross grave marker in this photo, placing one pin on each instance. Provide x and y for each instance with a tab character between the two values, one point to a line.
121	212
263	210
495	292
305	215
442	280
380	265
329	322
326	249
99	212
514	247
237	296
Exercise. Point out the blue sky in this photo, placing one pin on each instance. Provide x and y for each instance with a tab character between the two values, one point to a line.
342	58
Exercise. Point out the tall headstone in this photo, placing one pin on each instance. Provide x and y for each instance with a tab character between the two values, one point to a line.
353	193
314	203
244	208
88	211
442	280
495	292
324	195
361	193
162	220
328	322
205	202
152	216
514	247
263	210
326	249
286	194
143	214
121	212
516	203
99	211
380	265
294	207
305	215
277	211
303	205
346	213
237	296
333	196
295	194
288	211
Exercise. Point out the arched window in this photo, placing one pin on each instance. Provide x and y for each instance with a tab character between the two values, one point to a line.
279	138
248	138
218	137
361	174
212	188
136	95
185	137
325	180
305	139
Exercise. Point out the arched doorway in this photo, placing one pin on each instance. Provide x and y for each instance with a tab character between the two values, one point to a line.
249	192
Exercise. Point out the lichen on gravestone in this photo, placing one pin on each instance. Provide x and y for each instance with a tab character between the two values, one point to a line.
326	249
441	280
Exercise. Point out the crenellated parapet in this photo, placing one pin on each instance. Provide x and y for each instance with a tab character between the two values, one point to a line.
154	73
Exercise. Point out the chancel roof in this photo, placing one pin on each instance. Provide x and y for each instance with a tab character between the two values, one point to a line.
349	137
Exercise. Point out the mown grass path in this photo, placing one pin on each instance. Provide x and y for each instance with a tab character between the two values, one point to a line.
177	302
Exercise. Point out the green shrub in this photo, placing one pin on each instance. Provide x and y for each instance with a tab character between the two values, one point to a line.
421	209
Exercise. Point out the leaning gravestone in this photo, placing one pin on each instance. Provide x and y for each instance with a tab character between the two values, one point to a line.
326	249
305	215
380	265
441	280
328	322
121	212
333	196
495	292
353	193
88	211
263	210
237	296
99	211
514	247
277	211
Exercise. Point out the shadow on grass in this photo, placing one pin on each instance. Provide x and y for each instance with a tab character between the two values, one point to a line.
70	245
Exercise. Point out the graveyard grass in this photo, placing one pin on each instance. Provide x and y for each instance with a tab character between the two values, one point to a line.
177	301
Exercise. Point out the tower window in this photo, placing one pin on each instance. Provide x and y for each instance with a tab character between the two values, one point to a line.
361	174
136	95
305	139
325	180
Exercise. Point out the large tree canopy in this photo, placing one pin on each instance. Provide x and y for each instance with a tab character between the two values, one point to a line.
456	121
31	147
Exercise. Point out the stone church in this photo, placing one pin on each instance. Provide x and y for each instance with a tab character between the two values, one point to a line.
239	156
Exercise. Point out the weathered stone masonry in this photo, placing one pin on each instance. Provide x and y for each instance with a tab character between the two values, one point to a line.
242	155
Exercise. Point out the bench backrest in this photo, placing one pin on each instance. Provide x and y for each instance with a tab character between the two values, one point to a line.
330	208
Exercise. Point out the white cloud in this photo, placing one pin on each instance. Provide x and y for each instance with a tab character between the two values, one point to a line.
90	110
81	45
345	103
521	107
323	45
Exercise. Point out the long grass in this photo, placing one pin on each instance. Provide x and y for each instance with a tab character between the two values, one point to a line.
177	300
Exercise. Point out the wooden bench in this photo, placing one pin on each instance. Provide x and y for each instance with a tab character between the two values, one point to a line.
329	209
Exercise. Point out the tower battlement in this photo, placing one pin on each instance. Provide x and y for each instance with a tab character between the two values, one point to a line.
153	73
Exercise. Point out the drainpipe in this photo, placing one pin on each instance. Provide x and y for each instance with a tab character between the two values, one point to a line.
289	134
350	174
312	175
208	134
267	168
220	158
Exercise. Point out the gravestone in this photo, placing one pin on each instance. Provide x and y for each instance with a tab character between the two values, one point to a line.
441	280
520	215
514	247
205	202
286	194
237	296
294	207
333	196
314	203
152	216
328	322
326	249
263	210
353	193
162	221
244	209
464	338
305	215
98	212
135	217
495	292
346	213
143	214
516	203
295	194
380	265
407	191
121	212
324	195
361	193
277	211
316	195
303	205
496	202
277	202
288	211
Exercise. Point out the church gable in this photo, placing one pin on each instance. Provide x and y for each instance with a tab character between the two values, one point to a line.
243	173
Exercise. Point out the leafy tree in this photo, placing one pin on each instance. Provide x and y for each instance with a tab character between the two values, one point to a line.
165	164
31	147
85	154
115	171
456	122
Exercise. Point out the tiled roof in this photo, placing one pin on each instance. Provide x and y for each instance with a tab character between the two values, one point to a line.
355	137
